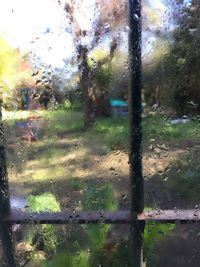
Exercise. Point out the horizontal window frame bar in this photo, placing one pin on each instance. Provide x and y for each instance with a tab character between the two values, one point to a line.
105	217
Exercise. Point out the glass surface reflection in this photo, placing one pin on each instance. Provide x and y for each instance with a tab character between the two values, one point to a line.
64	102
105	245
74	245
171	118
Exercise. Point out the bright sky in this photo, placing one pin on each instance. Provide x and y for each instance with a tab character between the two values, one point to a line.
25	20
158	4
22	21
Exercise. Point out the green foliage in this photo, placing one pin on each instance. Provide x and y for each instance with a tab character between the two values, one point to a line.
63	259
96	234
75	184
10	72
46	202
159	127
185	182
8	58
122	255
98	197
62	121
173	78
101	72
69	260
183	176
94	198
153	234
102	78
154	75
114	131
45	233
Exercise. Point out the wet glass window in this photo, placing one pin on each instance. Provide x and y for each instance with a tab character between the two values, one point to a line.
171	95
106	245
64	92
70	131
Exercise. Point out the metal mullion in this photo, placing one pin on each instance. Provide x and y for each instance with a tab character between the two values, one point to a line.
8	244
137	232
87	217
4	191
5	227
135	116
135	106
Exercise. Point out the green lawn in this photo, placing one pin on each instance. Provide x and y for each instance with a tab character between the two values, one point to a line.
67	168
63	151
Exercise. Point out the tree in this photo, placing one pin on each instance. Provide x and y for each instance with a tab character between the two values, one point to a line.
86	39
14	71
171	73
182	64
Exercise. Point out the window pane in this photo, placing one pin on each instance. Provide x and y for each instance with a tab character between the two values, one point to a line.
1	254
173	245
65	108
105	245
171	95
75	245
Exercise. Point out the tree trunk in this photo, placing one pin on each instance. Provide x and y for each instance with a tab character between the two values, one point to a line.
86	88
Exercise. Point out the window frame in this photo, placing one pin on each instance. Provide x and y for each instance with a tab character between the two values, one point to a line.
136	217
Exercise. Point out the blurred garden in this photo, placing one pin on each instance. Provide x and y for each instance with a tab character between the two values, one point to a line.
65	127
67	168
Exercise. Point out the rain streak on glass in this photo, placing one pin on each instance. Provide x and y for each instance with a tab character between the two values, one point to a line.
106	245
171	98
64	102
64	107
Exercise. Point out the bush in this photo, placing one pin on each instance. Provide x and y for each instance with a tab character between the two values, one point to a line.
44	237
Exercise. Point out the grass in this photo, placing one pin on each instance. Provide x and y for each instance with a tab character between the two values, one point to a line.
45	202
115	131
184	175
62	122
153	234
64	150
57	172
112	131
159	127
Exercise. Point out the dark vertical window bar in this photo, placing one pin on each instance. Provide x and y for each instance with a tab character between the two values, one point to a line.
4	192
135	106
5	228
135	111
137	230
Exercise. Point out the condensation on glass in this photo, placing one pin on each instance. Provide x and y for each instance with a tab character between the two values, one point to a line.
74	245
106	245
65	104
171	95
